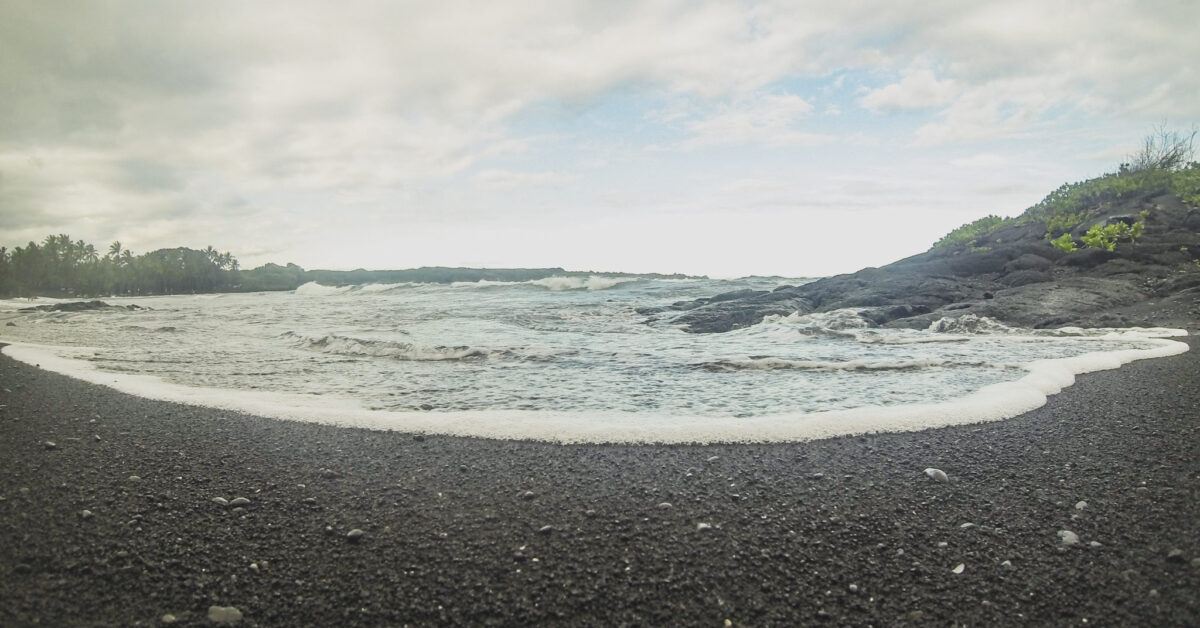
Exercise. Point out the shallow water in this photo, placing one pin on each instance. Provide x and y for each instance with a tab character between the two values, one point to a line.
526	359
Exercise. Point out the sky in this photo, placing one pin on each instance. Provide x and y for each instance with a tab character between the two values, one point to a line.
793	138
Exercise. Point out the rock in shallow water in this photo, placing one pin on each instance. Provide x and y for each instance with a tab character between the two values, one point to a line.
224	614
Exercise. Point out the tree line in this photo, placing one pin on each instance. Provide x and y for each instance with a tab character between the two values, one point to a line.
62	267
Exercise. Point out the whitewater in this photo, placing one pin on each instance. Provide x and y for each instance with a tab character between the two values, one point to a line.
566	359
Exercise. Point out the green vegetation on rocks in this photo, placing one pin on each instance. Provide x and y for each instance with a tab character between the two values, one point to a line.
1162	165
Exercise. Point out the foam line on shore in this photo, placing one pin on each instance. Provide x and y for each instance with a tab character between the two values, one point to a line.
991	403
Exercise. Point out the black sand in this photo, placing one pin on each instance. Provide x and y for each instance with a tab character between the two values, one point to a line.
845	531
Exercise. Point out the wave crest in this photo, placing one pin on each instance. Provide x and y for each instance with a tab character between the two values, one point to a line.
345	345
970	324
767	363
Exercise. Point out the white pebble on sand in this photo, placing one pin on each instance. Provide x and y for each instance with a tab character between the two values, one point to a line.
169	619
937	474
703	526
959	568
1068	537
220	501
1081	505
224	614
355	534
240	501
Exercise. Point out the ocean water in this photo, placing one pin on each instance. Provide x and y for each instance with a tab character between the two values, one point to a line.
564	358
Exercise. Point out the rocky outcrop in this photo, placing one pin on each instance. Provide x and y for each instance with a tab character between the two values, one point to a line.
78	306
1013	275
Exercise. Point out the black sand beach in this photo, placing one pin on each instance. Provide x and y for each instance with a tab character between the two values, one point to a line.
847	531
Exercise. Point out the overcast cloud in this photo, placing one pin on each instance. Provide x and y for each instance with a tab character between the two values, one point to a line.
722	138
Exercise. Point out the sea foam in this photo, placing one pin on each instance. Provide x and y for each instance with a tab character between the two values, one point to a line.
990	403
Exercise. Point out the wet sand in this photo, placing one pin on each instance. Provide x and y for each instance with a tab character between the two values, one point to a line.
458	531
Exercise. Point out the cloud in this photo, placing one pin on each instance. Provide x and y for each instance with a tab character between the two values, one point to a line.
146	115
919	89
509	180
769	119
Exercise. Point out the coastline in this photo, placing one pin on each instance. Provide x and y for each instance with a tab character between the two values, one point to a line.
846	529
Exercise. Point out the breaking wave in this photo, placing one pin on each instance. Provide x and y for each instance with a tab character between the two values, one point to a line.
767	363
345	345
590	283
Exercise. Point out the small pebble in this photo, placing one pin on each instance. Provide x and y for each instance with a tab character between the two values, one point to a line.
959	568
664	505
1068	537
220	501
528	495
853	588
168	619
1176	556
1196	562
1007	564
329	473
937	474
50	444
817	476
1095	544
224	614
240	501
546	529
1081	505
967	526
134	478
703	526
355	534
713	458
85	514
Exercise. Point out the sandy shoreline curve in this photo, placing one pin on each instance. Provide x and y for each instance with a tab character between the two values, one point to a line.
468	531
994	402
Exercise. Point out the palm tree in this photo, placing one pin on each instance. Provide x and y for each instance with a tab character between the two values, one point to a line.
114	250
